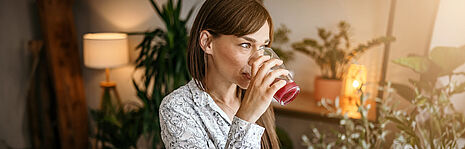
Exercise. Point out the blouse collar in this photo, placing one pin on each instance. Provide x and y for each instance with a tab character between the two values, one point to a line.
202	98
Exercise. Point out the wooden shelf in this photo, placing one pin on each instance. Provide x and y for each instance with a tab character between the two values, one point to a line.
304	106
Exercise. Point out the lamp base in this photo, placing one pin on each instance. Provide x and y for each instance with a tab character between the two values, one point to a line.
107	88
104	84
107	106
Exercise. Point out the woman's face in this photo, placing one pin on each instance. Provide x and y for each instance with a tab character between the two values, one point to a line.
230	55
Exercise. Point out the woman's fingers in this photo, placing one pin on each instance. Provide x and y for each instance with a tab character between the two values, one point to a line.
272	76
276	86
255	56
256	63
265	68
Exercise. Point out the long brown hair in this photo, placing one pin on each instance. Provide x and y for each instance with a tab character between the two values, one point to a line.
230	17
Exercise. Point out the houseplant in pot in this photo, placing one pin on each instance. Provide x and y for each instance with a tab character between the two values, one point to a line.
162	58
333	54
281	43
162	63
430	119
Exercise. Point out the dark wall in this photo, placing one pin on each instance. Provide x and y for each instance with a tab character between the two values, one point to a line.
18	25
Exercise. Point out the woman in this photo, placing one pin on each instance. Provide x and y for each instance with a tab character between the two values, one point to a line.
227	104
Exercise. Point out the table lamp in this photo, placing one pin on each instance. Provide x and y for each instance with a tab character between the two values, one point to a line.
354	81
105	51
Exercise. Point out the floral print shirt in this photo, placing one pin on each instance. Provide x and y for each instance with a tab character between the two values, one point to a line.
189	118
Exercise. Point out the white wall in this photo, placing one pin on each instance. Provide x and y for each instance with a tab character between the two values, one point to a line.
413	25
412	28
449	30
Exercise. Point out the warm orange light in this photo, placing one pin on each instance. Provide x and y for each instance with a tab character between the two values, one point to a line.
354	81
356	84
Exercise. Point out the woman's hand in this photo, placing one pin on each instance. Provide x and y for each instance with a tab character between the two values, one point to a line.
261	88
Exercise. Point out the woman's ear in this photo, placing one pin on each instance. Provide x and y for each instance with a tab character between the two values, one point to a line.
206	41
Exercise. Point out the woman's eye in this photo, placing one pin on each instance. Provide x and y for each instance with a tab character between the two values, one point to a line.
245	45
261	47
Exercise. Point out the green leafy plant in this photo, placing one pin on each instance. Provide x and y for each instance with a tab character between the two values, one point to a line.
280	39
433	122
162	58
352	133
118	129
330	55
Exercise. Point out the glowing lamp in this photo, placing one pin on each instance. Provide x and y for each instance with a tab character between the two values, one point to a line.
356	77
105	51
354	81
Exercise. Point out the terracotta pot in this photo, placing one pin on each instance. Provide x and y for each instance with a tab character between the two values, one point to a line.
328	89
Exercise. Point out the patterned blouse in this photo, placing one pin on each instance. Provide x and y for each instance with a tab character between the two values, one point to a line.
189	118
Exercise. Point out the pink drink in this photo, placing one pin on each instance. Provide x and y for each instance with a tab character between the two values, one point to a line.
287	93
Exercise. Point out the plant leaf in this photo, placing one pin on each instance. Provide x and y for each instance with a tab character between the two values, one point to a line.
459	88
404	91
448	58
416	63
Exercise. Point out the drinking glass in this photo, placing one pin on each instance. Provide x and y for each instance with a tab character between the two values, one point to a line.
289	91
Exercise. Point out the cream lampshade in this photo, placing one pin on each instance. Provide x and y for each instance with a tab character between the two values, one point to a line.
105	50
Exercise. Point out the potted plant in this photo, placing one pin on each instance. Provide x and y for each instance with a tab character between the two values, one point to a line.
117	128
333	58
431	121
351	133
280	43
162	58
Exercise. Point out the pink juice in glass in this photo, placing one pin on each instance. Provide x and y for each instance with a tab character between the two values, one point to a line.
287	93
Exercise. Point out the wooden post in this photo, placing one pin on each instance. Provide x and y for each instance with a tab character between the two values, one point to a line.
62	54
40	101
